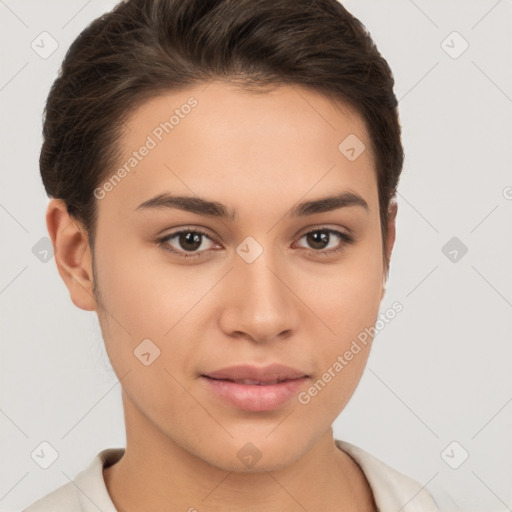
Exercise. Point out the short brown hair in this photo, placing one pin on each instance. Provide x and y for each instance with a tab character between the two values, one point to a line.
143	48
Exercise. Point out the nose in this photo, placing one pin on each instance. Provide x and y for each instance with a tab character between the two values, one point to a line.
259	302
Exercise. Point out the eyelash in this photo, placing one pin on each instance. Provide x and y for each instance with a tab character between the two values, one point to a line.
347	240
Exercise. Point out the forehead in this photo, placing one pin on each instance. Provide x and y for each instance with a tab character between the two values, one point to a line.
215	139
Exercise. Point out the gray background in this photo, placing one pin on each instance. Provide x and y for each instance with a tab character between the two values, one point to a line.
438	373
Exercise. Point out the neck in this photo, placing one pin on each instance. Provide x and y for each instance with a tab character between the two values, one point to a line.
157	474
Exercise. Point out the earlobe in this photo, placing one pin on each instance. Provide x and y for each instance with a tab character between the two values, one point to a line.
72	254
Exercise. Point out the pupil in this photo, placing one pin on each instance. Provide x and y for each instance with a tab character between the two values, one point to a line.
190	238
318	239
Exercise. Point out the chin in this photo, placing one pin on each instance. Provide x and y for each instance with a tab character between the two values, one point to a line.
267	462
257	453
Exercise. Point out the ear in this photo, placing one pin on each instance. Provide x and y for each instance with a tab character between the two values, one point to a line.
72	254
391	235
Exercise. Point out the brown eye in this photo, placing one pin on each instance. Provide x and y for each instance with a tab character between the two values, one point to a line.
318	239
186	243
326	241
190	241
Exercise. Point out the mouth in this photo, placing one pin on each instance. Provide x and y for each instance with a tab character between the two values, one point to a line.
254	395
252	382
250	374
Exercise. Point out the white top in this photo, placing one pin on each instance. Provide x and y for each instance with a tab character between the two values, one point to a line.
392	490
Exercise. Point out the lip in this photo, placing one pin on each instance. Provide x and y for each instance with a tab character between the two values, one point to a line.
255	397
265	395
264	374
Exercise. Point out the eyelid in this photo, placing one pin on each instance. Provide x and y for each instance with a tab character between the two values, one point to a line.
323	227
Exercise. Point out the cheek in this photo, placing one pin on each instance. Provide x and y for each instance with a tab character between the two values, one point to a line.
141	292
149	307
346	297
142	305
348	306
347	302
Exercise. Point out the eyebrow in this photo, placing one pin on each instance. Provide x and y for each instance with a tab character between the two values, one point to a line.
215	209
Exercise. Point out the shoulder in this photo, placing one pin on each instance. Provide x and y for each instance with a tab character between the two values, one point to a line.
391	489
87	492
62	498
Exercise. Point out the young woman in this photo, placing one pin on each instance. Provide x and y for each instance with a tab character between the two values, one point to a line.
222	176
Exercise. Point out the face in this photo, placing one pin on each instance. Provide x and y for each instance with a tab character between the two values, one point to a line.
183	291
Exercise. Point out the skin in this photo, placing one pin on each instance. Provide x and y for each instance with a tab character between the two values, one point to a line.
260	153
